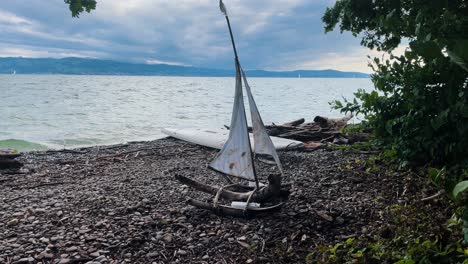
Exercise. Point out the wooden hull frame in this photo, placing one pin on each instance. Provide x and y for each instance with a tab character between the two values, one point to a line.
224	210
266	194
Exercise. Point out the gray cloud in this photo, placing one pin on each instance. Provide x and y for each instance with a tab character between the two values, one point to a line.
272	34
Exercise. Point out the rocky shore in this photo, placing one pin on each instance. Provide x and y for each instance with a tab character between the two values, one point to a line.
121	204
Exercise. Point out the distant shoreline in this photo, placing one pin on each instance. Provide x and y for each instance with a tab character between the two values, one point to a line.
196	76
80	66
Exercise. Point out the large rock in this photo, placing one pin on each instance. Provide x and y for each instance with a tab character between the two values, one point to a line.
7	159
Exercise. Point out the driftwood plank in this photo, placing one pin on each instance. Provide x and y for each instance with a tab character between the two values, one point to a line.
227	210
272	190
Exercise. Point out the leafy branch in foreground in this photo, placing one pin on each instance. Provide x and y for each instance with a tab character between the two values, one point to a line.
419	108
79	6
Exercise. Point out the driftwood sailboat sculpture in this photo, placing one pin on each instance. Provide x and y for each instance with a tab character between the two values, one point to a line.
236	158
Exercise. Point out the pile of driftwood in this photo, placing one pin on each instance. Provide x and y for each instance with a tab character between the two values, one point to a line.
314	135
323	131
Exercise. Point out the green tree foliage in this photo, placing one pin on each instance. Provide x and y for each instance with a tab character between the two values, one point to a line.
79	6
420	107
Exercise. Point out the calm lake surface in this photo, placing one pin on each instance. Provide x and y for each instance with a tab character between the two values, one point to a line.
63	111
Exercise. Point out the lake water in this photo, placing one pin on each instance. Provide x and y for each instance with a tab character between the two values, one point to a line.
63	111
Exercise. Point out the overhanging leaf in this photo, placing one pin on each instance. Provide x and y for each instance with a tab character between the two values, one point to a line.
457	59
458	53
460	188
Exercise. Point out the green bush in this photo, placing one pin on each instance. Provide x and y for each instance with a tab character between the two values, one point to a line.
419	109
408	234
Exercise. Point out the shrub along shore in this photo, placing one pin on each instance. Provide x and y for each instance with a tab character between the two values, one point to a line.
122	203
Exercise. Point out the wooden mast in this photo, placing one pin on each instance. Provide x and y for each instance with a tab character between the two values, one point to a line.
238	68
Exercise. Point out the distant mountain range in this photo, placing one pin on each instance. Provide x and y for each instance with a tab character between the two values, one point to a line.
80	66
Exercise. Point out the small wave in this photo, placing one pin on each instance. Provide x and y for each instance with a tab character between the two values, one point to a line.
76	142
182	117
190	84
129	90
21	145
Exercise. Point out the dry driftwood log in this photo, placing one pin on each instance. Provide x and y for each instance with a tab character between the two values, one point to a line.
284	127
294	123
335	123
316	134
266	193
226	210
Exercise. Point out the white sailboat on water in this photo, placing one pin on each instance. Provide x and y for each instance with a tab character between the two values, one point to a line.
236	158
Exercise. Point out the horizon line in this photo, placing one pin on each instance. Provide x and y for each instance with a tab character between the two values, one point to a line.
182	66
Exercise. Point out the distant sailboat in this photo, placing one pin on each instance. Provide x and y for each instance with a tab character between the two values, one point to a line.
299	76
14	72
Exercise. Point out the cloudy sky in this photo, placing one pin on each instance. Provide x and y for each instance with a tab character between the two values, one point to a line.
270	34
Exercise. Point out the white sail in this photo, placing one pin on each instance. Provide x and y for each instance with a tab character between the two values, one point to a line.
262	141
235	158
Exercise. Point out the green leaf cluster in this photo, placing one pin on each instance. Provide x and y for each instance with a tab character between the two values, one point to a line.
79	6
411	235
419	109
